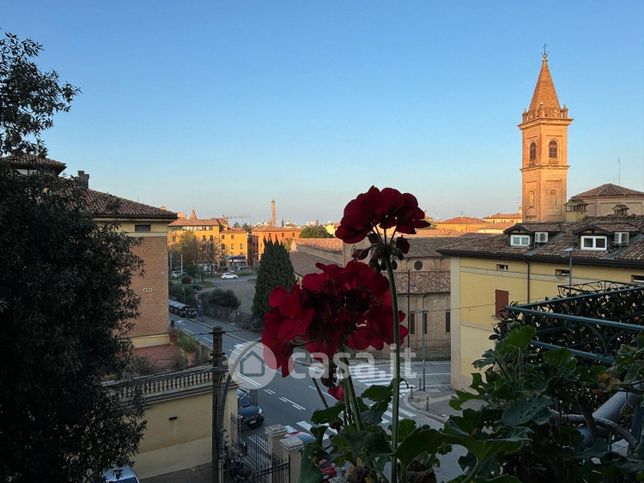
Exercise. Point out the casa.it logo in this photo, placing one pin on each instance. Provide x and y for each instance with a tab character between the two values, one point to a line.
249	365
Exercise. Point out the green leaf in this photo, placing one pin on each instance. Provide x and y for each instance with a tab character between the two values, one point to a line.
405	428
422	440
518	338
328	415
309	471
374	414
378	393
524	410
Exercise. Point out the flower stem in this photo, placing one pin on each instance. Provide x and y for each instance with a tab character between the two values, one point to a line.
396	378
352	395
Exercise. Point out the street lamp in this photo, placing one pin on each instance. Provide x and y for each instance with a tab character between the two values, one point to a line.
569	251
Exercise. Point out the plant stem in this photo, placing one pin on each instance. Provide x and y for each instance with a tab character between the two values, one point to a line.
396	379
352	395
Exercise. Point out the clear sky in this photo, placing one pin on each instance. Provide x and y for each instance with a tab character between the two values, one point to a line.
222	106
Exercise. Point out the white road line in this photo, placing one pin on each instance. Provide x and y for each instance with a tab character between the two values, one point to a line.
375	381
270	391
283	399
247	379
388	413
407	413
385	421
297	406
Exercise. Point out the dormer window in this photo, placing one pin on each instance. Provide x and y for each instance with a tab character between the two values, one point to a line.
593	242
541	237
621	238
520	241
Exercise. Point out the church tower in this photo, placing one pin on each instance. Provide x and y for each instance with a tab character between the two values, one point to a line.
544	168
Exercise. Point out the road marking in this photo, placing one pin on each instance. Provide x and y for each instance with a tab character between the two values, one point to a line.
247	379
325	393
297	406
283	399
307	427
269	391
406	413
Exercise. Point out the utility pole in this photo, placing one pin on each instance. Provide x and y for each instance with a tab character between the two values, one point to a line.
217	373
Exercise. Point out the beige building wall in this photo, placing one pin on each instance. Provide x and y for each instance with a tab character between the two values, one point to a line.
178	433
473	285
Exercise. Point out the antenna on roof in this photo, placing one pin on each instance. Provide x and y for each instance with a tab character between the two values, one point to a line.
545	52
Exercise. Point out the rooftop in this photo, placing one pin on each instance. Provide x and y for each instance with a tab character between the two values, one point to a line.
563	236
610	190
105	205
31	161
328	244
461	220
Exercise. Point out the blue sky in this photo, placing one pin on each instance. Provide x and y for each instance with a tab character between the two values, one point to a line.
222	106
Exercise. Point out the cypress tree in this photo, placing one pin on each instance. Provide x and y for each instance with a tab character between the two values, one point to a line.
275	270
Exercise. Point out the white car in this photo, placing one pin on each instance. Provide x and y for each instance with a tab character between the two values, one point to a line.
229	275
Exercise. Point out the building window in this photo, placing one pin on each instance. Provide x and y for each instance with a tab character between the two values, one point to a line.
562	272
502	267
418	265
593	243
203	237
501	301
174	238
637	279
142	228
533	152
448	321
412	323
241	246
232	236
212	238
552	149
519	240
424	322
223	237
531	199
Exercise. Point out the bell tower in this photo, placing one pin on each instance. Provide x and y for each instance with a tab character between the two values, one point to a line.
544	169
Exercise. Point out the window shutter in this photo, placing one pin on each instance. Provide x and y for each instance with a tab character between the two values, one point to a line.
501	300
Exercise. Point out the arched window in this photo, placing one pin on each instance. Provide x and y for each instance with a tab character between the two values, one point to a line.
552	149
533	152
531	199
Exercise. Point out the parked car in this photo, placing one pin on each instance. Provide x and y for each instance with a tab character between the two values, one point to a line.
124	474
228	275
248	410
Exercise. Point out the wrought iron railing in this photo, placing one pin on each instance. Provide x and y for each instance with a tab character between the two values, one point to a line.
591	287
157	384
591	325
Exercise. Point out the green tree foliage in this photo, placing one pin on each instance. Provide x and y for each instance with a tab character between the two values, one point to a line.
315	231
275	269
188	246
221	298
28	97
66	307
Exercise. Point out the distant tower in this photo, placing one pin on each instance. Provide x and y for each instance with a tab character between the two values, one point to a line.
193	215
544	168
273	214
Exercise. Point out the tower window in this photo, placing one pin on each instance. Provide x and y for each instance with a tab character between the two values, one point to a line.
553	198
552	149
533	152
531	199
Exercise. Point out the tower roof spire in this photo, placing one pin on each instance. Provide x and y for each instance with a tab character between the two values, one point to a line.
545	95
544	103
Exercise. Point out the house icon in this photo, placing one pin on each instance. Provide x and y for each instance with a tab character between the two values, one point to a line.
252	365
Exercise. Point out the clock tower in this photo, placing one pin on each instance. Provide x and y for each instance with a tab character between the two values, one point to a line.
544	168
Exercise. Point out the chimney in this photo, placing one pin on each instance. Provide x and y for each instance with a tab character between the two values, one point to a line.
575	210
620	210
83	179
273	213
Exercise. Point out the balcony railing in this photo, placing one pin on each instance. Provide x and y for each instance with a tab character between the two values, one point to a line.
188	380
592	325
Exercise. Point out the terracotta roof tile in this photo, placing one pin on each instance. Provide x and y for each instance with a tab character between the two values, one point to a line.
610	190
462	220
565	237
105	205
196	222
329	244
437	281
32	161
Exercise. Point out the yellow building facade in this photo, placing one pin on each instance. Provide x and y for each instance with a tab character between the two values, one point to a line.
477	282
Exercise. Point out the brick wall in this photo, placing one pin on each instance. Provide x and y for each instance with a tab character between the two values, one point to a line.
152	287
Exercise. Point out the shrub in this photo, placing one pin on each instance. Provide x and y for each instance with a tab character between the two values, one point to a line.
186	280
187	343
222	298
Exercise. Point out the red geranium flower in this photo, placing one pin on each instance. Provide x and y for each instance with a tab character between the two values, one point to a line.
384	209
341	306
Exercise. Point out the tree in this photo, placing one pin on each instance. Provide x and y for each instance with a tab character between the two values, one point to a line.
315	231
28	97
188	246
275	270
66	307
